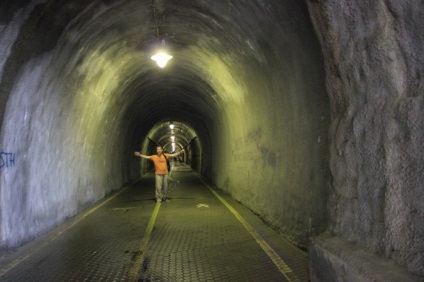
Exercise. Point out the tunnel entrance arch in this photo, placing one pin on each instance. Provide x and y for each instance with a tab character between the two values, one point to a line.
174	136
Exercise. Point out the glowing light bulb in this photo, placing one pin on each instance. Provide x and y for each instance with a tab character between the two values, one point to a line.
161	59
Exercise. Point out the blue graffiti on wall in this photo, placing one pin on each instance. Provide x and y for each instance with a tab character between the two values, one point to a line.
7	160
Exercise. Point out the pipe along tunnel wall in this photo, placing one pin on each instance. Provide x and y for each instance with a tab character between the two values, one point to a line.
295	113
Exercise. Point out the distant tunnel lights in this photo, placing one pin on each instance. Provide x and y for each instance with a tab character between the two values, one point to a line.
161	59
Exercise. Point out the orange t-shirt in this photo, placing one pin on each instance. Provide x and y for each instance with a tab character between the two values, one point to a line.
160	163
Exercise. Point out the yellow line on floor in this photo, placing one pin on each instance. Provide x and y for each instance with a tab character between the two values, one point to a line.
135	268
278	261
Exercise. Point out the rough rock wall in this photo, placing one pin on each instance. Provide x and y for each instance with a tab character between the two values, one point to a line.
374	64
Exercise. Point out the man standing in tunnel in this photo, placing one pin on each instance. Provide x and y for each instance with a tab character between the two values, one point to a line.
161	171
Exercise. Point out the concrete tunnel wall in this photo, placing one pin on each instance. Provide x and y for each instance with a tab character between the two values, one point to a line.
78	100
276	102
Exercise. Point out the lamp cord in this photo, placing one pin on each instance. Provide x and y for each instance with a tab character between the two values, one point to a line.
154	16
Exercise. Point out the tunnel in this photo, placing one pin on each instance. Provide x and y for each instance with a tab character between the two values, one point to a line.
309	113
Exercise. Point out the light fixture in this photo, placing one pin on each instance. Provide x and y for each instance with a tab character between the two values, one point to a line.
173	138
161	58
171	125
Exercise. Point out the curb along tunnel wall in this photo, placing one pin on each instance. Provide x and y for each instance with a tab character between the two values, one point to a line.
254	88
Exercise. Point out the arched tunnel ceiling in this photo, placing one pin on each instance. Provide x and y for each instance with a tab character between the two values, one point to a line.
194	34
201	39
111	42
161	134
176	95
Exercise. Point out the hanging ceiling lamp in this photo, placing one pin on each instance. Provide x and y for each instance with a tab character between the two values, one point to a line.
161	57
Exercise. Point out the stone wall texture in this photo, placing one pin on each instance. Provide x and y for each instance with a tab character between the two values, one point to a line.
374	66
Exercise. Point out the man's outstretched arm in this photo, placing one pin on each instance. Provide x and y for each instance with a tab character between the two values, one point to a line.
176	154
141	155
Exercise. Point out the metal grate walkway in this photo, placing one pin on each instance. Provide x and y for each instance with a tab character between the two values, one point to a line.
200	235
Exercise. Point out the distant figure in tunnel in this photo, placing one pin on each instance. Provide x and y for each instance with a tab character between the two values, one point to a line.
161	171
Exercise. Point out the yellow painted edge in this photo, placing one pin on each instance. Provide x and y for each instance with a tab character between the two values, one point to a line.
278	261
133	272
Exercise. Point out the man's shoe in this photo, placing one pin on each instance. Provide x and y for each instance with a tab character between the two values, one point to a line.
165	200
158	201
